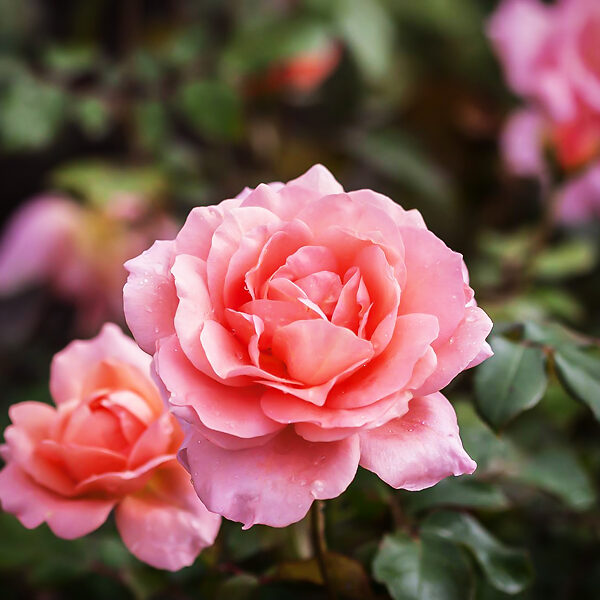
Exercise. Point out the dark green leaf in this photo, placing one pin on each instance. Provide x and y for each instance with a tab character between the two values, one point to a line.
557	471
579	372
423	569
507	569
571	258
511	381
460	491
238	587
212	108
552	334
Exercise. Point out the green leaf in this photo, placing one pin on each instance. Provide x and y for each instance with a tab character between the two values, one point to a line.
212	108
92	115
552	334
368	30
425	569
507	569
238	587
397	157
579	373
511	381
72	60
460	491
98	182
570	259
557	471
31	114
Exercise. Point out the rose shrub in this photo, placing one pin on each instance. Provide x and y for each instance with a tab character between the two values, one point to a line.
108	443
302	331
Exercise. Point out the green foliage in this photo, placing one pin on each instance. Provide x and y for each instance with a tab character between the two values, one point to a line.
512	381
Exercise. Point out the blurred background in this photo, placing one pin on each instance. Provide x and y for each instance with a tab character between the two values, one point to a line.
116	118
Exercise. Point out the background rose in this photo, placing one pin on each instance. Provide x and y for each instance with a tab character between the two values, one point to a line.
78	251
109	443
302	330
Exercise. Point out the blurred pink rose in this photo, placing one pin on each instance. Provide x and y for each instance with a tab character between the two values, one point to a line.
108	443
302	330
78	251
550	56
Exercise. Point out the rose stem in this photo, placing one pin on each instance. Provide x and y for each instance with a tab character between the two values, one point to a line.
317	530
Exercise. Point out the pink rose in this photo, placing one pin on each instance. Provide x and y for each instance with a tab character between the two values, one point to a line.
108	443
78	251
302	330
550	56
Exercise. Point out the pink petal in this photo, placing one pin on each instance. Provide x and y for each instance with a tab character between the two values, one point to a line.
434	281
149	295
237	222
82	356
307	260
36	418
283	200
155	441
323	288
519	31
37	240
317	179
391	370
166	525
286	408
522	144
457	354
195	237
33	505
579	198
233	410
315	351
282	244
419	449
273	484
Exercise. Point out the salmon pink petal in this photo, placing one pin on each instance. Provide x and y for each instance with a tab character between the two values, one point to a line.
36	241
341	209
237	223
391	370
317	179
465	346
402	217
36	418
82	356
273	484
156	440
45	472
315	351
149	297
323	288
305	261
196	234
289	409
33	505
282	244
223	408
434	281
419	449
167	525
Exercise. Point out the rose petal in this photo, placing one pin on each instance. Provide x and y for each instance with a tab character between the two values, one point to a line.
315	351
222	408
391	370
166	525
149	296
36	418
82	356
273	484
33	505
465	345
419	449
434	282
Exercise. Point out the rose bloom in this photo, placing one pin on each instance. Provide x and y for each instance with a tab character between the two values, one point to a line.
78	251
302	331
109	443
550	56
